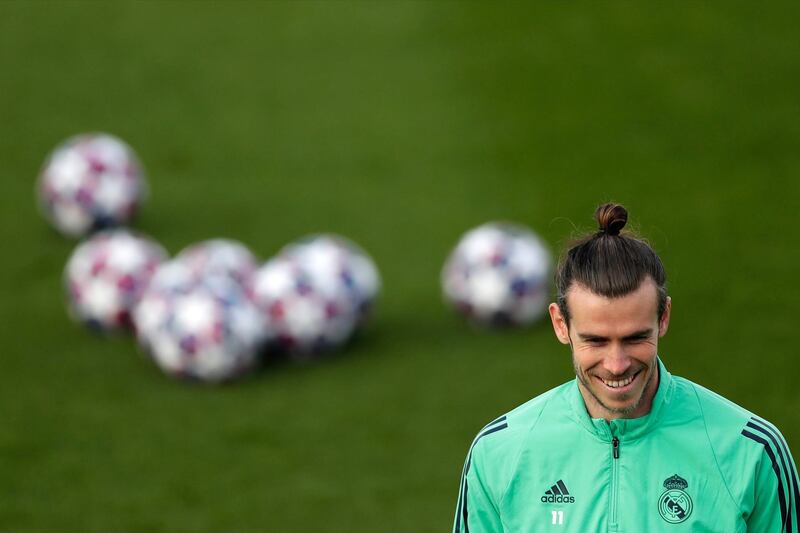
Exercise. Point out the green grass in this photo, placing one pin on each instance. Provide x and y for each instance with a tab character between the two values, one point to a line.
399	125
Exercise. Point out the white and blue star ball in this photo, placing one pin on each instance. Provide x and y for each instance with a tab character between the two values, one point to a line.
107	274
204	329
499	274
89	182
340	269
220	257
305	317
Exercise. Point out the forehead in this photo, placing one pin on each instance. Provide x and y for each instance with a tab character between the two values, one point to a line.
593	313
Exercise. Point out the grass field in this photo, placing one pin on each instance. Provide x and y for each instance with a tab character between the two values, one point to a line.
400	125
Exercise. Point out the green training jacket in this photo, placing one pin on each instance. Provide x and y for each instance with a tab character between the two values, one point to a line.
696	462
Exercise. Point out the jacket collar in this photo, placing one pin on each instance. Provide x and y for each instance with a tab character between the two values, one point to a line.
624	428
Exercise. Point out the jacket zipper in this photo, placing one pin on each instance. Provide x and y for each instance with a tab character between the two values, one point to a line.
614	479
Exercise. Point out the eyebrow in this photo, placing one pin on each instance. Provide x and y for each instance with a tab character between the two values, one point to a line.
641	334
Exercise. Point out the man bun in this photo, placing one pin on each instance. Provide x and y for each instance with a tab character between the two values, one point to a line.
611	218
609	263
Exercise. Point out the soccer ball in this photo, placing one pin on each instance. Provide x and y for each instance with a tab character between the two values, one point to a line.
204	329
150	312
340	269
89	182
498	274
106	275
219	257
305	317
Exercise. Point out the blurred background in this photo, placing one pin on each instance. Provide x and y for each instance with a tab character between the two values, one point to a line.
400	125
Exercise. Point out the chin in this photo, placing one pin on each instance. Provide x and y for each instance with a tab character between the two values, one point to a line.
624	409
621	406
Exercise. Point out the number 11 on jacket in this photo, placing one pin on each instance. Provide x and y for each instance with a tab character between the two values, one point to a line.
558	518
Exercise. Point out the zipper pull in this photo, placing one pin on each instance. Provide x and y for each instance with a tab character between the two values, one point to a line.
615	447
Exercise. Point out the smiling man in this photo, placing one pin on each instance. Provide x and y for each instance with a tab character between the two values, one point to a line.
614	347
626	446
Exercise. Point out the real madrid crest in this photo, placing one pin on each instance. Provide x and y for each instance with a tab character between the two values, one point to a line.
674	505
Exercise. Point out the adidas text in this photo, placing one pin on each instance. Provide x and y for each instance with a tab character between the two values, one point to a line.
552	498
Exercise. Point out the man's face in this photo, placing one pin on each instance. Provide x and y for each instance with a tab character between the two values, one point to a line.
614	345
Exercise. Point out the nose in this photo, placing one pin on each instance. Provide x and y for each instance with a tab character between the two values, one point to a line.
616	361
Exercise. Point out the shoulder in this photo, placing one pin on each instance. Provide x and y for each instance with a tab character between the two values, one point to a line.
496	448
516	424
497	445
716	410
741	441
725	420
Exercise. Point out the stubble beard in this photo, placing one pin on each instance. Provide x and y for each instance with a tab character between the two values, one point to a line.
623	411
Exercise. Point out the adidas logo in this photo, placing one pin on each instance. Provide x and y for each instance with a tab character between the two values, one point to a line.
558	493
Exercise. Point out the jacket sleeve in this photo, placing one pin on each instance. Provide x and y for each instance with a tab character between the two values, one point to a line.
476	511
776	488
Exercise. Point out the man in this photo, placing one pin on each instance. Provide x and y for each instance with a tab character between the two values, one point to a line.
626	446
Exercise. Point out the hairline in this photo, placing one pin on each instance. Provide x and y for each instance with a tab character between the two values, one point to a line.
661	296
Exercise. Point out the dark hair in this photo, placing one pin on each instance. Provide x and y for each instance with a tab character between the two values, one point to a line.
610	263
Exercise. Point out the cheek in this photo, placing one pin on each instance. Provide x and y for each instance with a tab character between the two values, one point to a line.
643	350
586	357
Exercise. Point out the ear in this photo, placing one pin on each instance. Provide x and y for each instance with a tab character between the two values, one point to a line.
663	323
559	323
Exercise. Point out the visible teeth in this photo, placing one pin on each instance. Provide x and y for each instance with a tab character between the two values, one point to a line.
614	384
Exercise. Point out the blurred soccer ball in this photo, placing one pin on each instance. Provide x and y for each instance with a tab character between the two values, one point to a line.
152	311
498	274
306	317
205	329
223	257
339	269
90	181
106	275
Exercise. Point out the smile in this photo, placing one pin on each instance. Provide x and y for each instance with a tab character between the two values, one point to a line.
618	383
